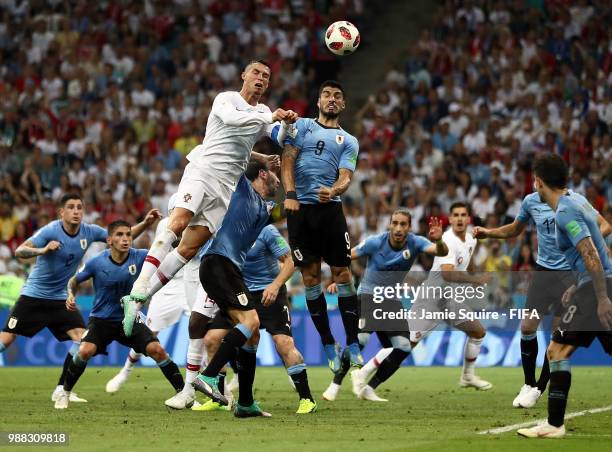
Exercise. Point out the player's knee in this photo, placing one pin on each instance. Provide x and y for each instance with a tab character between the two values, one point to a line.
283	343
87	350
528	327
251	321
156	351
179	220
341	275
212	339
477	333
311	280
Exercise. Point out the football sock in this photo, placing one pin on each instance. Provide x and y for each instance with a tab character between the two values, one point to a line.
529	354
162	244
2	347
317	306
75	370
560	382
349	311
300	380
374	363
345	366
221	384
172	373
131	360
194	359
544	375
236	338
74	349
470	354
246	361
388	367
171	264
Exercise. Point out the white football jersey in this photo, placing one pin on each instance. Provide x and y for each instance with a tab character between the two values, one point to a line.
459	252
233	128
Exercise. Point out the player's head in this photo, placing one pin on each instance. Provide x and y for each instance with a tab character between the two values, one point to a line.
264	181
71	209
119	235
551	174
256	77
331	100
459	217
399	226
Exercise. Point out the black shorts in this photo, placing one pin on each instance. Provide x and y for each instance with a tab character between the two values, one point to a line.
580	325
275	319
319	231
30	315
223	283
546	289
102	332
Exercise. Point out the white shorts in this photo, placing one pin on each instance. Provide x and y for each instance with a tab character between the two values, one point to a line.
202	194
420	327
191	281
167	306
205	305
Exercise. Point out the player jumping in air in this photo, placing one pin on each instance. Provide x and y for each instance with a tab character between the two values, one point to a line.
390	256
221	277
551	279
59	246
318	164
589	311
237	120
266	284
113	272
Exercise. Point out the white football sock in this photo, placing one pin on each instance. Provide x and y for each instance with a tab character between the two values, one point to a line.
194	359
171	264
471	351
373	364
160	248
131	360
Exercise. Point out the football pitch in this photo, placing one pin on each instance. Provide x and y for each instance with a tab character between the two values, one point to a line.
426	411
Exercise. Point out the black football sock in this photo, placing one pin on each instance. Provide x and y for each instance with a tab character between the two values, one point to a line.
317	306
73	373
388	367
221	384
246	361
345	365
227	350
349	310
172	373
300	380
560	382
544	375
74	349
529	354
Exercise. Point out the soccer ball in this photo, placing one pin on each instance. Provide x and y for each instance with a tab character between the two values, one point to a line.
342	38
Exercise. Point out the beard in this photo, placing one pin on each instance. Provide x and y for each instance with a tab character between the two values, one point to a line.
329	114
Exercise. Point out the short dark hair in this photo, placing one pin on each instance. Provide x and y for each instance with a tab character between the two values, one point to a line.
67	197
552	169
117	224
459	204
264	62
331	84
253	169
402	211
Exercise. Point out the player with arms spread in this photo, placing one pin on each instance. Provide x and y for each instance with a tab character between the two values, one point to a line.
318	164
113	272
59	247
589	312
237	120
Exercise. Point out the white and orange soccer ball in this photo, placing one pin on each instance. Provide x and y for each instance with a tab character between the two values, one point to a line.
342	38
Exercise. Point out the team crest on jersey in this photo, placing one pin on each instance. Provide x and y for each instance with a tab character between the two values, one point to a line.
12	323
187	197
339	139
132	269
406	254
83	244
460	260
243	299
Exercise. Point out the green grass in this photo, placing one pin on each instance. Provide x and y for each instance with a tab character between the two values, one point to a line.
427	411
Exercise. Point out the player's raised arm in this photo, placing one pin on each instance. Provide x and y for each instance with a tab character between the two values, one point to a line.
151	217
503	232
438	248
290	153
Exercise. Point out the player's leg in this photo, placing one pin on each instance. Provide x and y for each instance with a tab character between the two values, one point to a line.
476	334
75	336
360	377
168	367
75	369
348	306
218	329
296	368
6	340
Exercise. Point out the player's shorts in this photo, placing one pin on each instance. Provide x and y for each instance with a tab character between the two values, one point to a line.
580	325
167	306
319	231
223	282
201	193
30	315
275	319
204	304
422	324
191	281
102	332
546	289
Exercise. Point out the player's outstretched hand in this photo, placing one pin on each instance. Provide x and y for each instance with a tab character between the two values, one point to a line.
52	246
279	115
480	233
291	117
291	205
71	303
567	295
332	288
152	216
604	312
325	194
273	162
435	229
269	295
